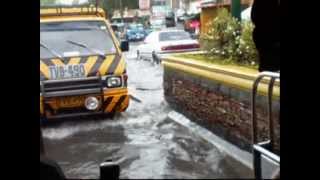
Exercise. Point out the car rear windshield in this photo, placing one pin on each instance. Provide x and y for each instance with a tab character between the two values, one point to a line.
157	22
174	36
57	36
136	26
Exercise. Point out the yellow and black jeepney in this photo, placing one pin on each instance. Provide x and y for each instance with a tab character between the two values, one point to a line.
82	70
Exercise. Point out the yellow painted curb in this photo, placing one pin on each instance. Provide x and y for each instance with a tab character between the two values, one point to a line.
230	76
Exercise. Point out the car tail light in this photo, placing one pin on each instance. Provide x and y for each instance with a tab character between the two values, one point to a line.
194	24
180	47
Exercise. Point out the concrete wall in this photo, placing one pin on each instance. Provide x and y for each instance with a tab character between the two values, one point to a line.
223	109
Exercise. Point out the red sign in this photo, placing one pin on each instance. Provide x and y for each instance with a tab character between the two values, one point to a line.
144	4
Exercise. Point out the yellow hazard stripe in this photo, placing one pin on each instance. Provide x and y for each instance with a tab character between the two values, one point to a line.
125	103
116	91
106	65
89	64
74	61
112	104
120	68
44	69
57	62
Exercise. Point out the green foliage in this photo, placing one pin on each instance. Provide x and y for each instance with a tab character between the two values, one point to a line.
246	51
111	5
222	33
229	39
47	2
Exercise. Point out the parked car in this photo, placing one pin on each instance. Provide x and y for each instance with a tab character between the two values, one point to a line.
159	43
136	32
192	23
170	20
180	14
148	30
157	24
119	30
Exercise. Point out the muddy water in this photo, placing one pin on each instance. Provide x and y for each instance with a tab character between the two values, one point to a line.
145	142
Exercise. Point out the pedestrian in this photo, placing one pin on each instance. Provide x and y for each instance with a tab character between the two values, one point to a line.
265	15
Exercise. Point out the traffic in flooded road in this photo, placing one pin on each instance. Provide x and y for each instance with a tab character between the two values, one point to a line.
145	142
155	92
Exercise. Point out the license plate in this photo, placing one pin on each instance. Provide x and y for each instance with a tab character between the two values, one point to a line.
74	101
67	71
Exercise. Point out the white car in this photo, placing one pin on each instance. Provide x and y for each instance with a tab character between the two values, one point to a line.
159	43
158	24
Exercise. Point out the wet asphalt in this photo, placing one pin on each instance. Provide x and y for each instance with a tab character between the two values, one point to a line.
143	140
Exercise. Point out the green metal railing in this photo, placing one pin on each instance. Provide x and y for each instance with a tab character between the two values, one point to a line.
265	148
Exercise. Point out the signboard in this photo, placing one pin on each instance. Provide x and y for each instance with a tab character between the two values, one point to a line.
66	2
159	11
195	7
144	4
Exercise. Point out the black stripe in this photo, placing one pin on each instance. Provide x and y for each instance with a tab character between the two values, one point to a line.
66	60
83	59
47	107
48	62
118	104
107	102
96	66
114	64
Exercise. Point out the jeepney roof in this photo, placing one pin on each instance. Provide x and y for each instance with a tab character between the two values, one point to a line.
71	12
66	8
71	18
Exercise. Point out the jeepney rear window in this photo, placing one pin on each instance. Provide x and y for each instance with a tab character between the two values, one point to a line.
57	37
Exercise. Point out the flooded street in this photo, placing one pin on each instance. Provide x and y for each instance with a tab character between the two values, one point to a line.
145	142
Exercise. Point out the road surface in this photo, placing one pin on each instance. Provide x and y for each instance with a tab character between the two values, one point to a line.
145	142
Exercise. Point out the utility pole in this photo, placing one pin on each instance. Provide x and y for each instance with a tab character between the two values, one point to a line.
236	9
121	12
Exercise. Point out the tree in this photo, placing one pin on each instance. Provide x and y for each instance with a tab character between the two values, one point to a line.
221	39
111	5
230	39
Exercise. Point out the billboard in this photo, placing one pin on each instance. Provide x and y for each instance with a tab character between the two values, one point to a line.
144	4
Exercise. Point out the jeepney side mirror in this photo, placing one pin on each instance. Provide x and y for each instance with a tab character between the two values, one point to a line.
124	46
